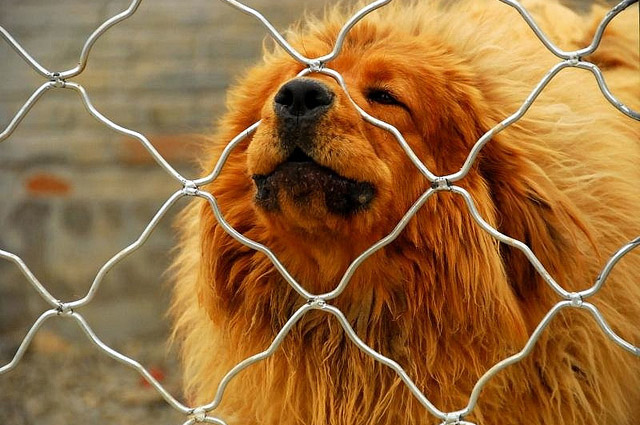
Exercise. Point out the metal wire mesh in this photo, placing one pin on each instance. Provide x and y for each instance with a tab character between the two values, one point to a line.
192	188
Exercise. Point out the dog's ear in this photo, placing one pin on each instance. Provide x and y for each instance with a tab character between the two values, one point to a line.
532	208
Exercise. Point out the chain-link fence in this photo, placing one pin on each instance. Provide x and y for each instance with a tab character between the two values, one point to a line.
186	187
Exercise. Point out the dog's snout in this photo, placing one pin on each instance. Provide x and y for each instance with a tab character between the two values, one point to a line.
303	97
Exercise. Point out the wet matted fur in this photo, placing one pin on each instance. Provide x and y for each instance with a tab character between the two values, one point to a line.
445	300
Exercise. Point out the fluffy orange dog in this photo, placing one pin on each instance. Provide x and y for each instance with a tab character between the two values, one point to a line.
319	185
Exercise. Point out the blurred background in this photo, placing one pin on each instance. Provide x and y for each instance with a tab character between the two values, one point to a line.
73	192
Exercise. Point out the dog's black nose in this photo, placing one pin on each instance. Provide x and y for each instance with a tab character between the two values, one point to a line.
303	98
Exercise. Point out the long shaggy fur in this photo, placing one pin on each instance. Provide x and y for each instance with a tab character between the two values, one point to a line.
445	300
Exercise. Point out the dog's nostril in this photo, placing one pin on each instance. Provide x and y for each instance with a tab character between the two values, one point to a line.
284	97
303	96
315	98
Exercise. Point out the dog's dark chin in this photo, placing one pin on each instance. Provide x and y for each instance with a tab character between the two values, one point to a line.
302	181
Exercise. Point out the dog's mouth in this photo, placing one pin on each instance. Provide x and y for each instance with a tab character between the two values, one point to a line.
301	180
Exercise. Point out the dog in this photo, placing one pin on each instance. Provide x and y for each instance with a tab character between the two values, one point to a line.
318	185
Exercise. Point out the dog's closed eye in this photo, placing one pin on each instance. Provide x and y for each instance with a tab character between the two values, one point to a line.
382	96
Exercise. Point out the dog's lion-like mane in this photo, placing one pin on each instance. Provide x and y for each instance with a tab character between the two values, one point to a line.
445	300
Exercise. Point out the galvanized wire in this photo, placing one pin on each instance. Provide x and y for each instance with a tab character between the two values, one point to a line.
193	188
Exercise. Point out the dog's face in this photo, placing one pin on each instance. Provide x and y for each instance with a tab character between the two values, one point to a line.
319	168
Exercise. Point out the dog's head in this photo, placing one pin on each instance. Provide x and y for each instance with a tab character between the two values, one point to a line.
319	184
319	168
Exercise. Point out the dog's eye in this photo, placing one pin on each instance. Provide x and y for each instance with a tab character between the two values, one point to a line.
383	97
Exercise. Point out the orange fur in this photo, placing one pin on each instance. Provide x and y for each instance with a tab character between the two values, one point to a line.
445	300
